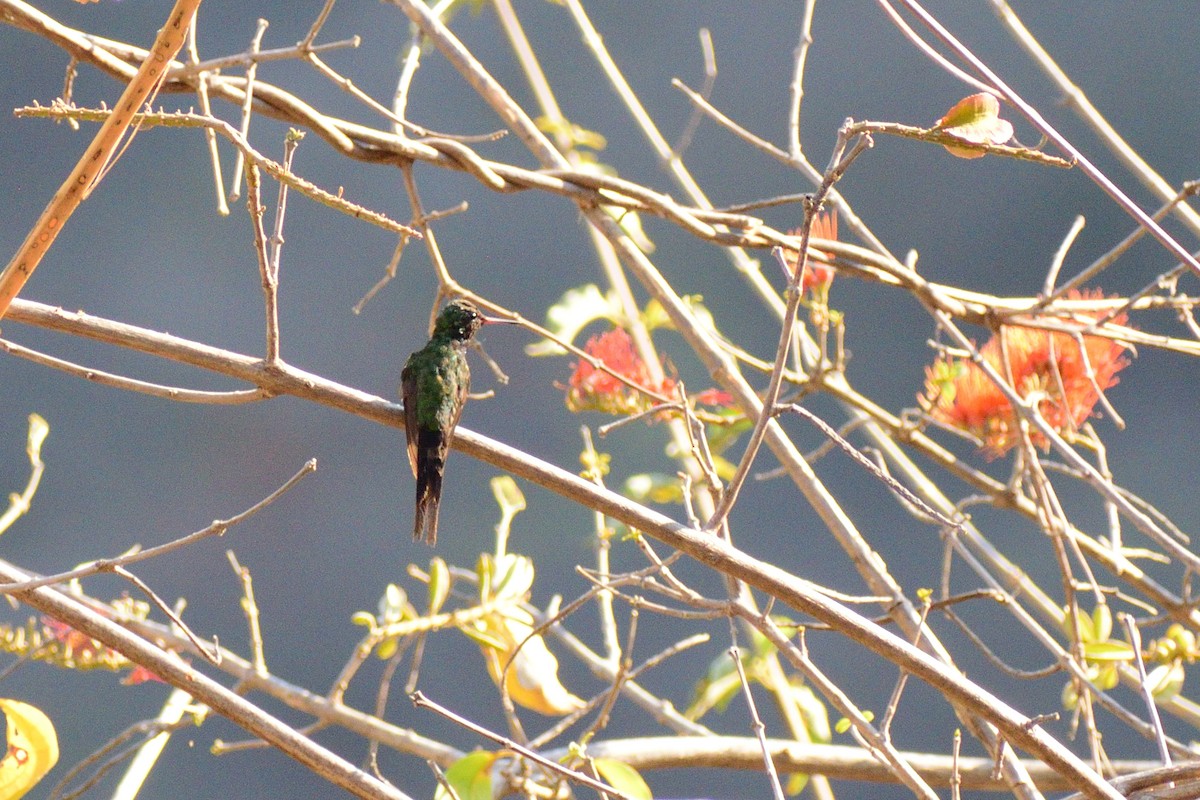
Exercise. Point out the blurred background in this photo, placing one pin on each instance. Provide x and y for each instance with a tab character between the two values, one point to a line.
149	249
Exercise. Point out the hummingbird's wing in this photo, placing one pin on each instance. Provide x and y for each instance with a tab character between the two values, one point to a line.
408	392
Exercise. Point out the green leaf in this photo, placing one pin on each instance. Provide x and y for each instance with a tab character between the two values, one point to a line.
1166	681
393	606
578	135
623	778
1107	651
387	648
482	637
1102	621
975	119
814	713
39	429
574	311
513	577
655	316
508	495
843	724
796	783
470	776
512	502
439	584
721	437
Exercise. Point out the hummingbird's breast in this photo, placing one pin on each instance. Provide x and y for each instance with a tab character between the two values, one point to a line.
443	380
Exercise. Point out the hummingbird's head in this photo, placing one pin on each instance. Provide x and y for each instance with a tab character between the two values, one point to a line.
459	320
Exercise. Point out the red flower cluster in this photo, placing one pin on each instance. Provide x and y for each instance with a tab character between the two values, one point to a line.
592	389
89	652
1051	364
815	275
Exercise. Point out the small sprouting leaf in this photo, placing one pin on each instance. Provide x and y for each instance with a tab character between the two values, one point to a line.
485	570
796	783
814	713
716	689
843	724
39	429
393	605
508	495
574	311
578	135
595	464
512	502
387	648
1166	681
439	584
655	316
1107	678
1102	621
1070	697
622	777
975	119
482	637
364	618
654	487
470	777
1108	651
1183	638
32	748
513	577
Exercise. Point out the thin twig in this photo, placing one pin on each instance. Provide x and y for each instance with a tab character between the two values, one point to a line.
1135	643
181	395
1047	130
1060	255
756	723
226	130
68	197
217	528
710	80
421	701
268	277
251	71
796	91
18	504
250	609
210	137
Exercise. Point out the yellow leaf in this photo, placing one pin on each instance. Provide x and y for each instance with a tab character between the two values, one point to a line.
532	677
32	748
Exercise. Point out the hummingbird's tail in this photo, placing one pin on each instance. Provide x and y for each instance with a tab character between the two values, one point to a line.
429	493
425	525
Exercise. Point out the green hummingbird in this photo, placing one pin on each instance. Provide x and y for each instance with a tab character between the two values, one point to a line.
434	385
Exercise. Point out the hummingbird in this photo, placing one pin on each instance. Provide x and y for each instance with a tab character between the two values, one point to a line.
434	386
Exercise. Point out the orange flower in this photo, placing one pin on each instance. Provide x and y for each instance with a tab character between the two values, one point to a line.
592	389
77	643
1051	364
715	397
815	275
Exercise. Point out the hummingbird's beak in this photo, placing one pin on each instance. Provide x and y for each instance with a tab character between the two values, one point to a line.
497	320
